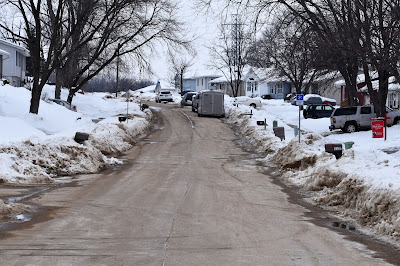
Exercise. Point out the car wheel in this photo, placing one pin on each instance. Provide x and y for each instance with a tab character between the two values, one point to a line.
253	105
396	121
192	109
350	127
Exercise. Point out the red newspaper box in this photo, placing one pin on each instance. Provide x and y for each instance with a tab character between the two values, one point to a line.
377	129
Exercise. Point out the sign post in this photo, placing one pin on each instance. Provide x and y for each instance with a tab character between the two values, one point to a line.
378	126
377	129
300	103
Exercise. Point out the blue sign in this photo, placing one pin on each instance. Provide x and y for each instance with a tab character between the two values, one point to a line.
299	99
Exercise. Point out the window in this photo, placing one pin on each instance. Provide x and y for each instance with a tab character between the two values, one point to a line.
318	107
17	58
198	82
202	82
249	86
278	88
328	108
346	111
272	90
365	110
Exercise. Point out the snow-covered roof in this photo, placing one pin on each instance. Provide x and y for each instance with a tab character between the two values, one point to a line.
393	85
360	79
15	46
2	52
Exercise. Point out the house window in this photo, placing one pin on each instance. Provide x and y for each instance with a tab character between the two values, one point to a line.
249	86
202	82
272	90
198	82
17	58
278	88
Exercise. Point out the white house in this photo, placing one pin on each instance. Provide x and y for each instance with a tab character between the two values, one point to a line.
13	62
257	82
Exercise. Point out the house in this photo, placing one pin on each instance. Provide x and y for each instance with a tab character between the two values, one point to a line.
13	67
196	82
256	82
393	96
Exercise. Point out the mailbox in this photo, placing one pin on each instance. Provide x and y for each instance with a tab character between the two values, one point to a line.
260	123
280	132
335	148
122	118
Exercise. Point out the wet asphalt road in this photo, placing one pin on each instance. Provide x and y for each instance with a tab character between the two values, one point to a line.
187	195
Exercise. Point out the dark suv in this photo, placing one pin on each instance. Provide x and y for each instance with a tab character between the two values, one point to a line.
318	111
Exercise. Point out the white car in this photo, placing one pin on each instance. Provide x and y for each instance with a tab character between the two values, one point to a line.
253	102
164	96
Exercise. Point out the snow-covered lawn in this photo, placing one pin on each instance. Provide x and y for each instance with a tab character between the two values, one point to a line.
362	185
36	148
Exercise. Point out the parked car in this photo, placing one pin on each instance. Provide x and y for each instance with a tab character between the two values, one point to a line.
318	111
65	104
354	118
266	96
164	96
187	98
314	99
253	102
289	97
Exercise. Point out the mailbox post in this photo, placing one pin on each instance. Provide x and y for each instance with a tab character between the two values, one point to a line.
300	103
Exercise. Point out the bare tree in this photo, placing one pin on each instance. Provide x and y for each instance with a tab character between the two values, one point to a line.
289	45
179	67
81	38
230	51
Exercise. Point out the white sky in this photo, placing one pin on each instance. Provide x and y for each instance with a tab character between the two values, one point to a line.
202	27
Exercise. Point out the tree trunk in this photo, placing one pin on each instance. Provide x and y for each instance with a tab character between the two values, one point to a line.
35	100
383	92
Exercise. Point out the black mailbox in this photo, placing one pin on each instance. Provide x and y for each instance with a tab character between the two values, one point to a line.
260	123
122	118
336	149
280	132
80	137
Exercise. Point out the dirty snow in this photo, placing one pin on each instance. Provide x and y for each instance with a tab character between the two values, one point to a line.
37	148
362	185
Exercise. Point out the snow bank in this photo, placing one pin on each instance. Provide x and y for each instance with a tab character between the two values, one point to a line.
36	148
362	185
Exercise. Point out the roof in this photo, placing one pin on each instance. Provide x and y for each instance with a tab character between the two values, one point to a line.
393	85
268	75
15	46
2	52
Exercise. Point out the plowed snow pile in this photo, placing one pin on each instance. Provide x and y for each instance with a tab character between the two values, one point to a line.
37	148
362	185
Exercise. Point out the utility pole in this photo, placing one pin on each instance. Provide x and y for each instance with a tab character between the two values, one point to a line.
237	38
117	83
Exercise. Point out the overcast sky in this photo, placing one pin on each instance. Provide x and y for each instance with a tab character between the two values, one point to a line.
203	27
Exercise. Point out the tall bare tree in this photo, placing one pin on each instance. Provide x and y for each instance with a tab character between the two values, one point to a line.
81	38
289	45
229	53
180	65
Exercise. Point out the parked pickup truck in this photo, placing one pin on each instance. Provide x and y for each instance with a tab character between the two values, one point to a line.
354	118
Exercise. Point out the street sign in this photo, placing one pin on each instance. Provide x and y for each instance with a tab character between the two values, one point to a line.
299	99
377	129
